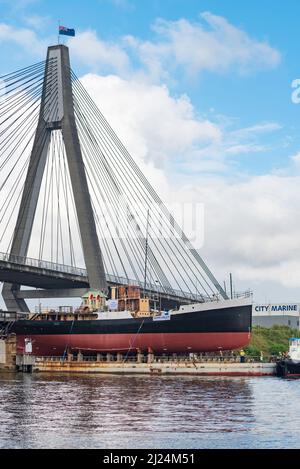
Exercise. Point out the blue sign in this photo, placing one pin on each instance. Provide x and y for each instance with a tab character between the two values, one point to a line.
276	308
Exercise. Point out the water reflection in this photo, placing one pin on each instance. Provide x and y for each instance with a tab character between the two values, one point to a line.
131	412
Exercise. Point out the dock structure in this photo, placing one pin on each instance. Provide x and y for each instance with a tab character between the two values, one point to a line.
8	353
158	367
137	364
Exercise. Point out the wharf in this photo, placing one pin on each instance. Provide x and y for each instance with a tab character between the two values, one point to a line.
137	364
158	367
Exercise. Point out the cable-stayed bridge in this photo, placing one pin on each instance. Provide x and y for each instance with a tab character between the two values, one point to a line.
61	280
76	211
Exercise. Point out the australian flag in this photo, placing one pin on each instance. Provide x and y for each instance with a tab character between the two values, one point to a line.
66	31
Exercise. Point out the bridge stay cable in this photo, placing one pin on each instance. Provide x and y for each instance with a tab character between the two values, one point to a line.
179	252
60	160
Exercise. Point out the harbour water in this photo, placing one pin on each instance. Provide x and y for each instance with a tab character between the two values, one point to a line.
96	411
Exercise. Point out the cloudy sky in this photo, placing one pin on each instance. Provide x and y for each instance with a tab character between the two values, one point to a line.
200	91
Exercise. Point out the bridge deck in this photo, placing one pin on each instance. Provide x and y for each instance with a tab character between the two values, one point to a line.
48	275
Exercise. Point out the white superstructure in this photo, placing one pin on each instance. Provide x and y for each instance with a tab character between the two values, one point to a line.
294	350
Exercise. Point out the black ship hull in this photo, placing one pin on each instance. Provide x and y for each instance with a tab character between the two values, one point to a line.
288	368
217	328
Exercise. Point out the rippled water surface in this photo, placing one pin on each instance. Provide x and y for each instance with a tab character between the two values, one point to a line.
94	411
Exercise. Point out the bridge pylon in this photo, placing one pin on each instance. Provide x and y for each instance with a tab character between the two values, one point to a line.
56	113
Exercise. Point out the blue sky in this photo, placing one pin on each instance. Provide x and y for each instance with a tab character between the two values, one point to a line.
247	97
219	74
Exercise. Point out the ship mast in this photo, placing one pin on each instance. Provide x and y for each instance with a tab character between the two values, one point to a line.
146	252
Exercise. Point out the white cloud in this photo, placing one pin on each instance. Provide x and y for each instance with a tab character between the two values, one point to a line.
254	130
19	4
157	128
121	4
37	22
247	148
252	227
214	45
24	38
249	139
168	131
296	158
92	51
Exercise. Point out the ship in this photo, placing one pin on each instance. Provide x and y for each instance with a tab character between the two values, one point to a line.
128	322
289	365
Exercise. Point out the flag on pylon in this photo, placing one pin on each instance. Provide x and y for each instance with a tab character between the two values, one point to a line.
66	31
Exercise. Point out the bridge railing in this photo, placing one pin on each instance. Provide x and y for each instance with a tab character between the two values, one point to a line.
6	316
67	269
244	294
28	261
155	289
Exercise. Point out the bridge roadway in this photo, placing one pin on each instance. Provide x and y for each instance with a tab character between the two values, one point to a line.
61	281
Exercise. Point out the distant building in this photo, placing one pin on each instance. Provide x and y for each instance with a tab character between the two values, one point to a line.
283	314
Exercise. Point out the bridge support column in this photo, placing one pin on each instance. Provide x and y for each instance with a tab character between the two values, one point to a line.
12	302
57	113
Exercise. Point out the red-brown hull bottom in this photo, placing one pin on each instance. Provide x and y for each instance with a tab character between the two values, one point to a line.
56	345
